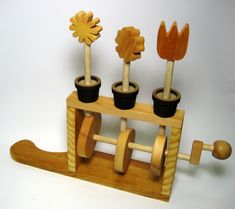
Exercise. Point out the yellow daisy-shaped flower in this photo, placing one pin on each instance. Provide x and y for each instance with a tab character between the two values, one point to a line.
85	27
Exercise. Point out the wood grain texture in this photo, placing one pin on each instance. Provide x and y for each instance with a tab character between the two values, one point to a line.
172	45
130	44
87	62
158	155
85	142
98	169
171	160
85	27
142	112
74	121
123	152
196	152
168	79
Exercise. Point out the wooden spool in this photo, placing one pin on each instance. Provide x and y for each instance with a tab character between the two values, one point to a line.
123	152
158	155
85	143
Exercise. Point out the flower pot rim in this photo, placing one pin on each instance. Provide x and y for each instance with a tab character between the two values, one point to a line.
173	91
93	77
130	91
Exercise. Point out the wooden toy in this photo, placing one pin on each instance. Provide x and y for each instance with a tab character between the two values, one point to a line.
130	45
170	46
87	30
84	120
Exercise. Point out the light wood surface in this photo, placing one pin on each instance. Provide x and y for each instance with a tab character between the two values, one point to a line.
196	152
99	169
85	27
126	76
172	45
158	155
74	121
222	150
123	152
123	124
85	143
171	160
130	44
168	79
142	112
87	61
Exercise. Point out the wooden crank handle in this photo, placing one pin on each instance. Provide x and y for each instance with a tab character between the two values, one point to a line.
221	150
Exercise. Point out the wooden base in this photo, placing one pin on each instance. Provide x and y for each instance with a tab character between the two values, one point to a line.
98	169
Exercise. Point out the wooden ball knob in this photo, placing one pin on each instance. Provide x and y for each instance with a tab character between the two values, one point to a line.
222	150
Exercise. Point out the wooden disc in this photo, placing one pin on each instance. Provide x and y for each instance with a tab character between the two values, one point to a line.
123	153
90	127
158	155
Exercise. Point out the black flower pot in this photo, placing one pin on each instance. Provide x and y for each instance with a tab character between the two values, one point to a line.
165	107
125	100
89	93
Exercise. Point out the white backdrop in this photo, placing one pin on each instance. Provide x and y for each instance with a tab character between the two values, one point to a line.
39	60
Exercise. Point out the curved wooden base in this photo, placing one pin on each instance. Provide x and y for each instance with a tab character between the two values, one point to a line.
101	164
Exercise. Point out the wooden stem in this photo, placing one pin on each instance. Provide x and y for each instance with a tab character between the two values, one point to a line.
125	88
123	124
162	130
208	147
87	59
126	76
168	79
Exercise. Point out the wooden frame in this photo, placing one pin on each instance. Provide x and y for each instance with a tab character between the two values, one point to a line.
163	185
99	168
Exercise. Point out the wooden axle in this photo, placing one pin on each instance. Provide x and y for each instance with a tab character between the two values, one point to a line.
89	135
218	149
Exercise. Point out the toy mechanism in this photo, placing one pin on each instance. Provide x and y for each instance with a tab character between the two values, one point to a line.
84	112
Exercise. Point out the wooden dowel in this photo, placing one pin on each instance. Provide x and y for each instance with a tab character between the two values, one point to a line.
123	124
208	147
125	88
162	130
140	147
135	146
168	79
182	156
87	71
126	76
105	139
131	145
87	59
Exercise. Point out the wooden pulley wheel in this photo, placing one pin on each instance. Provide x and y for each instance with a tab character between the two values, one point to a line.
123	153
158	155
90	127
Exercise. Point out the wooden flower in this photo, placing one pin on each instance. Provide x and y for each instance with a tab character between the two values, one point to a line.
85	27
130	44
172	45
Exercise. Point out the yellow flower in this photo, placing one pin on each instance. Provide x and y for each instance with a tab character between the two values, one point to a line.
85	27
